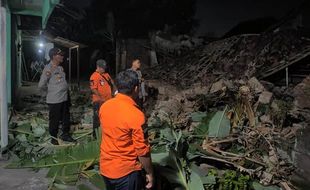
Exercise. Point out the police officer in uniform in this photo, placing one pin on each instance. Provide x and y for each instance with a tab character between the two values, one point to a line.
53	83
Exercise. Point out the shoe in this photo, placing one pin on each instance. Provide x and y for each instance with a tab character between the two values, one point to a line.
54	142
67	138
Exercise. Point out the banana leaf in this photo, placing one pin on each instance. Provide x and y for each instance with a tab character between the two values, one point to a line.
78	154
23	129
67	174
219	125
38	131
59	186
169	166
197	116
97	180
176	171
195	179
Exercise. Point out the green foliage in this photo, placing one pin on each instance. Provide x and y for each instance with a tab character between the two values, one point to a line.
203	127
84	187
78	154
170	154
198	116
177	171
98	181
219	125
173	164
196	180
66	164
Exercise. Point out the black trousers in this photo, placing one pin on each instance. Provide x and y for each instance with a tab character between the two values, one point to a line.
132	181
96	121
59	113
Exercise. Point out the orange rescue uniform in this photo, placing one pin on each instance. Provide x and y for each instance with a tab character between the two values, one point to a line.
98	82
123	138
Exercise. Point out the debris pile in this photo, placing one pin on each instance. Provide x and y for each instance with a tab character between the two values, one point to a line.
237	57
233	120
233	124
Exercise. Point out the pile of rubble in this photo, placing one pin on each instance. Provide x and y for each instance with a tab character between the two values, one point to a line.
251	124
267	123
248	124
237	57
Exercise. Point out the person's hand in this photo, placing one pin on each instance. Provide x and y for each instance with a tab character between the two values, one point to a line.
149	181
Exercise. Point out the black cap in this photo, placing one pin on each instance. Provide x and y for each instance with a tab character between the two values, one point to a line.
55	51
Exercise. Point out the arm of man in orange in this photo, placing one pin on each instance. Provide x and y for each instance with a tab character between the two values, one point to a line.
146	162
143	151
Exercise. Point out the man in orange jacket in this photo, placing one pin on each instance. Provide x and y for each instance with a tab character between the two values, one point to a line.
124	149
101	85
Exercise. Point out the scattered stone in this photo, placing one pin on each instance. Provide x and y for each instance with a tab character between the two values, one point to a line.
265	97
274	106
256	86
268	85
302	94
266	178
219	86
265	119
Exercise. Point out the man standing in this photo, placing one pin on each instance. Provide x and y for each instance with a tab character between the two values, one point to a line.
124	149
101	86
135	66
53	83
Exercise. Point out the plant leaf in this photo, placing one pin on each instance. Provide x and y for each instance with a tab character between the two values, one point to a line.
98	181
195	180
79	154
84	187
161	158
210	179
197	116
23	128
219	125
169	166
61	186
22	138
38	131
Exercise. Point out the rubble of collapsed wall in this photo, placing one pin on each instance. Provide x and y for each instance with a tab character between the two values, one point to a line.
237	57
266	117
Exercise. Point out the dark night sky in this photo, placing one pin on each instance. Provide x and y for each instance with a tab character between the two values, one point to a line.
219	16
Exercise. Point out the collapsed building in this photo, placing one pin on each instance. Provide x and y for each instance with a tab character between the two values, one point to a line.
248	71
238	103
